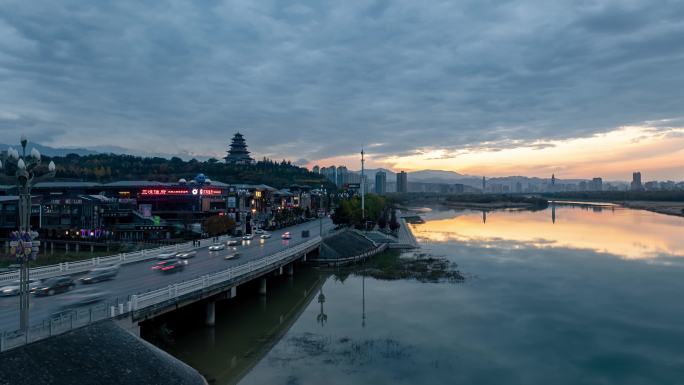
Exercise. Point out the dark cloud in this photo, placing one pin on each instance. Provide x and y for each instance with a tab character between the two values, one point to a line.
315	79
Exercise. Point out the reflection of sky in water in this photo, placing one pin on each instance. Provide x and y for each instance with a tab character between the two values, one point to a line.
526	315
626	233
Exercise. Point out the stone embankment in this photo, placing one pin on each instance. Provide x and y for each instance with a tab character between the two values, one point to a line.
347	247
99	354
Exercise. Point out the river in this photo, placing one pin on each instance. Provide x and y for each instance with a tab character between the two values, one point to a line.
566	295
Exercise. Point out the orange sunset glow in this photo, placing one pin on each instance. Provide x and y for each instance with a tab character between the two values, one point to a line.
657	153
632	234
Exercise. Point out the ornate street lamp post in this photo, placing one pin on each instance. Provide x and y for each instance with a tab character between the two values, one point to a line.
22	169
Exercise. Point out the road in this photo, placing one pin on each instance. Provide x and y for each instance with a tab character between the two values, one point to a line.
138	277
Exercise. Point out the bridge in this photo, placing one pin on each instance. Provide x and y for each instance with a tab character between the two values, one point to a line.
139	293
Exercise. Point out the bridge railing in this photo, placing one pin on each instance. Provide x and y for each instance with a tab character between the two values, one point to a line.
72	319
158	296
88	264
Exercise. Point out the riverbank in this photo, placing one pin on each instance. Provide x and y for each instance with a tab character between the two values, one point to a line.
667	208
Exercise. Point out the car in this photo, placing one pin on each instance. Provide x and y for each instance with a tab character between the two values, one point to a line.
247	237
232	256
265	236
186	254
166	256
101	273
286	235
232	242
170	266
81	298
13	287
258	231
52	286
217	247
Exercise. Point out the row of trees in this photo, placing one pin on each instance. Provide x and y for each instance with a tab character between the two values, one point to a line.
111	167
377	211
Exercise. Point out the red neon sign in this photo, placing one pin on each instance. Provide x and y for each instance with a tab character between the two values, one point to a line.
180	191
164	191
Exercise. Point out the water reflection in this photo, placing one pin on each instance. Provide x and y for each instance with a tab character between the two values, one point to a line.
605	229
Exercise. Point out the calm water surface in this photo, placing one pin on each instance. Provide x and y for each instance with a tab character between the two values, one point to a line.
567	295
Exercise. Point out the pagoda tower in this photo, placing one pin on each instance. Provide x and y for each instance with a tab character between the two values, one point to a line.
237	153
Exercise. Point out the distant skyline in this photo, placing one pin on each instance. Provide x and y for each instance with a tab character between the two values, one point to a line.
519	87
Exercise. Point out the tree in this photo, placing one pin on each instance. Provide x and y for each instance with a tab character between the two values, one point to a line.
394	225
382	222
218	225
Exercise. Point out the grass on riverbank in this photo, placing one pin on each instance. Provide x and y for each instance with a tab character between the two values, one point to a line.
394	265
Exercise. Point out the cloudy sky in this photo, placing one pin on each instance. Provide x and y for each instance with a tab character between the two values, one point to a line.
475	86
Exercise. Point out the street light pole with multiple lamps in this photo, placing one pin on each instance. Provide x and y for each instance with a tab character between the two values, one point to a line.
22	169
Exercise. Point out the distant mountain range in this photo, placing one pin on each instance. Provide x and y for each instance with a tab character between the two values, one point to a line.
63	151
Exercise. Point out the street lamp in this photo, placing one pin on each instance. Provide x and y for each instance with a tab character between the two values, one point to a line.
21	169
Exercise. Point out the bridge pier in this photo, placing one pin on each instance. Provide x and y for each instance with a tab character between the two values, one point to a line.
210	319
290	269
262	286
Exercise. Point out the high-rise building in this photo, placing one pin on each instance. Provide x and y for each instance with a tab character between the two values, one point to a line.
380	182
402	182
237	153
316	169
341	176
330	173
596	184
636	182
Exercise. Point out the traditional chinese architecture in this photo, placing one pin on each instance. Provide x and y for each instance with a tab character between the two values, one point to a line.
238	154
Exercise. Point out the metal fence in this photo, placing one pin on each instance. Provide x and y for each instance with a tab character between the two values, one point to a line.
87	264
75	318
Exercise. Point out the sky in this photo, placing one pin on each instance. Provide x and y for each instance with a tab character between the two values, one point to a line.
481	87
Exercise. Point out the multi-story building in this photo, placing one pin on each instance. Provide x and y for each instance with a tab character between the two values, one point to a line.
596	184
636	182
380	183
316	169
402	182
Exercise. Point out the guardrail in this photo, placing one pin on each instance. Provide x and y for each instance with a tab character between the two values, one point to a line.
87	264
83	316
347	260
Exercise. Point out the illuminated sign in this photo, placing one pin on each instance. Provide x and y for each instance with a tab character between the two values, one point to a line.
180	191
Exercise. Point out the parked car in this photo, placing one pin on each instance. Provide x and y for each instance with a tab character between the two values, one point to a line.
13	287
233	242
80	298
101	273
170	266
217	247
247	237
265	236
52	286
232	256
286	235
166	256
186	254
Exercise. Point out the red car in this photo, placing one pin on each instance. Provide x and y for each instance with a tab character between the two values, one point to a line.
170	266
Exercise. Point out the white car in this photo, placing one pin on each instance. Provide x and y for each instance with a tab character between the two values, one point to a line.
217	247
13	288
286	235
233	242
186	254
265	236
248	237
258	231
231	256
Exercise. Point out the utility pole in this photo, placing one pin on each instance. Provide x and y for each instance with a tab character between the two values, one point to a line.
363	190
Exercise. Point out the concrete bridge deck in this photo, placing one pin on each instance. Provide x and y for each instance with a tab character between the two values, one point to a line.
127	291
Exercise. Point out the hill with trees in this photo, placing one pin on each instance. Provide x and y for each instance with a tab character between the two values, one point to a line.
112	167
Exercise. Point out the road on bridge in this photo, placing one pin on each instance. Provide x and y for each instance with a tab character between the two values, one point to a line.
138	277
